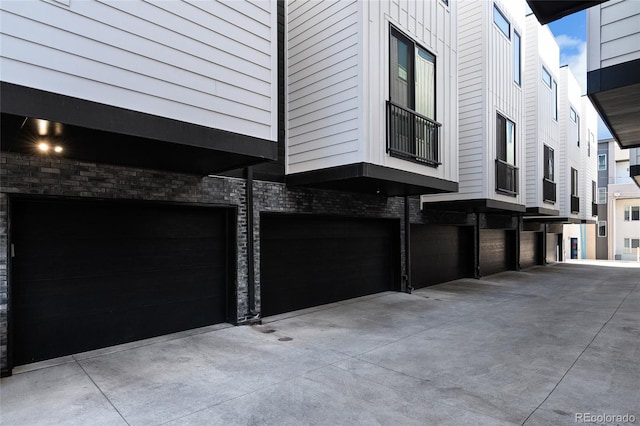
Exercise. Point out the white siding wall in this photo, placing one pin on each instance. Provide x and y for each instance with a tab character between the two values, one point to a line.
589	126
486	87
338	81
613	33
634	156
542	129
209	63
432	25
569	96
324	85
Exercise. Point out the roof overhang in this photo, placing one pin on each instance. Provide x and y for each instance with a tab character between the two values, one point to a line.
634	171
95	132
615	93
371	179
556	219
547	11
482	205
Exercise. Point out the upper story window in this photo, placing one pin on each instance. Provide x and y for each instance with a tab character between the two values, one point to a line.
517	58
574	182
506	172
577	129
631	213
555	101
591	141
413	132
501	21
602	228
546	77
549	163
602	161
572	114
602	195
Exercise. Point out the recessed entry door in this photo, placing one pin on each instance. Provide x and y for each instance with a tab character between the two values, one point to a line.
90	274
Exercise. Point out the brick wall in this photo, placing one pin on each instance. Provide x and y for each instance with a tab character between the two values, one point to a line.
23	174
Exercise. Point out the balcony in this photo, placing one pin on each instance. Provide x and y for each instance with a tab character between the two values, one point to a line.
575	204
594	209
412	136
548	191
506	178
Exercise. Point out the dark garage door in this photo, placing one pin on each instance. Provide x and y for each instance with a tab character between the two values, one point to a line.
93	274
440	254
530	249
497	251
309	260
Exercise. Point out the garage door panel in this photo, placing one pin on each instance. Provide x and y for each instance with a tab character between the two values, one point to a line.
440	253
311	260
497	251
530	249
156	268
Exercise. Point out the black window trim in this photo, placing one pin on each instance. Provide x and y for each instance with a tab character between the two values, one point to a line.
496	8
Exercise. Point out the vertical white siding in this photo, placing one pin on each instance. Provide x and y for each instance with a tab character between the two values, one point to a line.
569	94
323	87
589	124
486	87
209	63
431	25
613	33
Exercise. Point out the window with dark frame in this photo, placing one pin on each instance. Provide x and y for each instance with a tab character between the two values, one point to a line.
413	133
548	163
578	130
574	182
602	161
506	170
602	228
546	77
555	101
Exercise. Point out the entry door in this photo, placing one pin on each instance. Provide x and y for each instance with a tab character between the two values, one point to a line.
574	248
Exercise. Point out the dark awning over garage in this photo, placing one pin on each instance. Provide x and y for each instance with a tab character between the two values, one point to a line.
550	10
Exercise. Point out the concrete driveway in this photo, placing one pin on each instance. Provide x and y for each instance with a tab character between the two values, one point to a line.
534	347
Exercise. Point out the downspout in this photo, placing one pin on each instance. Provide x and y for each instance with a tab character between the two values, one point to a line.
407	245
251	290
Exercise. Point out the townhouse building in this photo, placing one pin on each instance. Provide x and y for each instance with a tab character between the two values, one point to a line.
618	232
492	132
167	166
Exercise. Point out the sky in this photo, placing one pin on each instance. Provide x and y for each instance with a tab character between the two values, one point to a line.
571	35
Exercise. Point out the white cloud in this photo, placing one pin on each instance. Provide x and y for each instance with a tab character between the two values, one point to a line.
567	41
574	55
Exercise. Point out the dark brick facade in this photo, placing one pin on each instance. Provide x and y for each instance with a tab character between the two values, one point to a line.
42	176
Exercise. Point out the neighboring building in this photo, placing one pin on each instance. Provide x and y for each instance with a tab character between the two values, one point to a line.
619	227
613	67
634	164
492	132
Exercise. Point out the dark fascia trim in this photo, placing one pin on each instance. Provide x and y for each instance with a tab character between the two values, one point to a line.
482	205
552	219
610	78
30	102
613	77
371	171
542	211
562	9
589	221
634	172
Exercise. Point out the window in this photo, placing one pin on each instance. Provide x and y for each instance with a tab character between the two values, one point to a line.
602	195
517	58
602	228
574	182
631	245
577	127
572	114
506	171
594	190
591	140
548	163
413	133
602	161
506	140
546	77
555	102
631	213
446	2
501	22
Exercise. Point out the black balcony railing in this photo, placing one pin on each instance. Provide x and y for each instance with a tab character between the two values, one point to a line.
506	178
548	190
594	209
412	136
575	204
